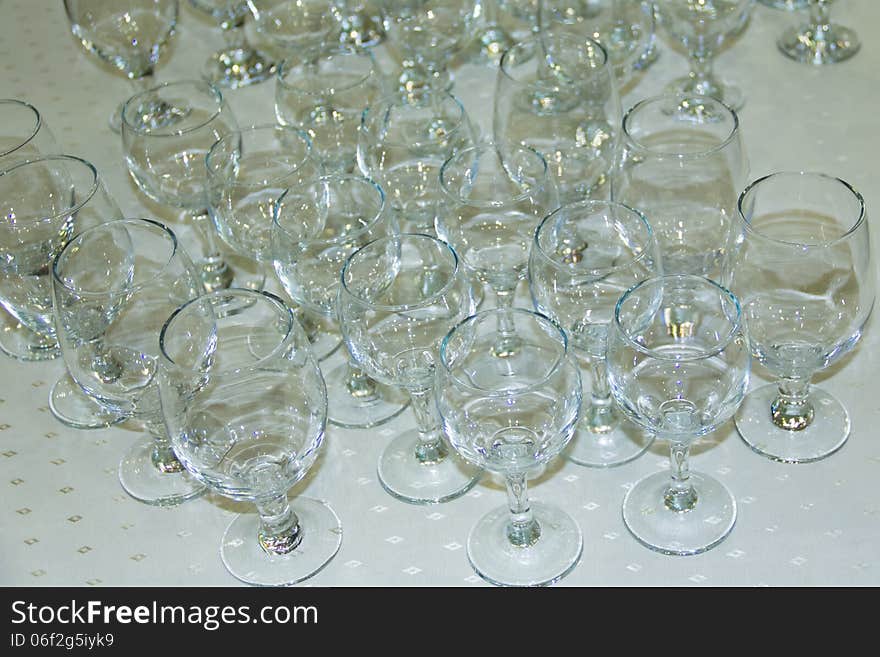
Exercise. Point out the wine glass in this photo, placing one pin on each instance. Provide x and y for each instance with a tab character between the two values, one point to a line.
238	64
819	41
400	295
113	286
801	266
680	380
167	162
683	164
294	29
130	36
584	256
702	27
507	415
556	93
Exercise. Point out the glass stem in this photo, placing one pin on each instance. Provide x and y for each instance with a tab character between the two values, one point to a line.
792	409
430	448
820	18
216	274
507	342
162	456
280	531
600	416
701	72
680	496
233	34
522	530
358	384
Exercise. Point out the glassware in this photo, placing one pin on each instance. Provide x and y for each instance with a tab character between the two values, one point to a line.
362	23
326	99
801	266
507	415
584	257
317	225
297	29
130	36
168	162
503	23
238	64
114	285
399	297
702	27
680	380
556	93
819	41
683	164
246	409
785	5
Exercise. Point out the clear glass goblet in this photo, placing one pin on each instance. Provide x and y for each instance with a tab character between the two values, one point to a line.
819	41
246	409
680	380
114	285
509	415
399	297
801	265
584	257
295	29
556	93
130	36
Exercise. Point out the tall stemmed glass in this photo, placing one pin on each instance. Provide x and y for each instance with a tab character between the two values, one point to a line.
168	161
556	93
801	266
680	384
819	41
130	36
584	256
246	409
702	28
509	415
114	285
400	296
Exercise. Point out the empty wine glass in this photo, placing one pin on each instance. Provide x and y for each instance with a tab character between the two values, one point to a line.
819	41
114	285
556	93
130	36
399	297
238	64
361	22
168	162
801	266
702	27
680	380
508	415
683	164
294	29
584	256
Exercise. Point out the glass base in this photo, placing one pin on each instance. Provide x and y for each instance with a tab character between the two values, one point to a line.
622	444
246	559
72	406
554	555
695	530
144	482
407	479
19	342
346	410
730	95
491	42
811	45
825	435
238	67
785	5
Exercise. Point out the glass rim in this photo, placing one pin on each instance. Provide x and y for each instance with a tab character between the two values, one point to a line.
73	208
37	125
148	132
394	100
504	63
286	64
237	134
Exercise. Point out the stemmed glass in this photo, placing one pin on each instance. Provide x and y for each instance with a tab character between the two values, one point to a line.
819	41
238	64
683	164
680	380
508	415
246	409
556	93
114	285
130	36
584	257
801	265
702	28
399	297
168	161
297	29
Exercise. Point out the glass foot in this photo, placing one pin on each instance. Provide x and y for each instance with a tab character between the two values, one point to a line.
238	67
146	483
812	44
622	444
245	558
692	531
19	342
728	94
554	555
785	5
404	477
363	408
825	435
72	406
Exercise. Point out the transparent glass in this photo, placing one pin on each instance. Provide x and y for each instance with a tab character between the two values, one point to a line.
801	264
361	22
502	23
584	257
819	40
678	365
786	5
298	29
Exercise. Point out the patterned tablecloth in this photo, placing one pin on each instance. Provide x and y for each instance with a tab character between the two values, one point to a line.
64	519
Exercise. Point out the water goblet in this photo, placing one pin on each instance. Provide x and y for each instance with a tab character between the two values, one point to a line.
113	287
819	41
680	380
400	295
801	265
509	415
584	257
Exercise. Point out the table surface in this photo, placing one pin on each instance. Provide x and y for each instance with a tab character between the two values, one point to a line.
65	520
